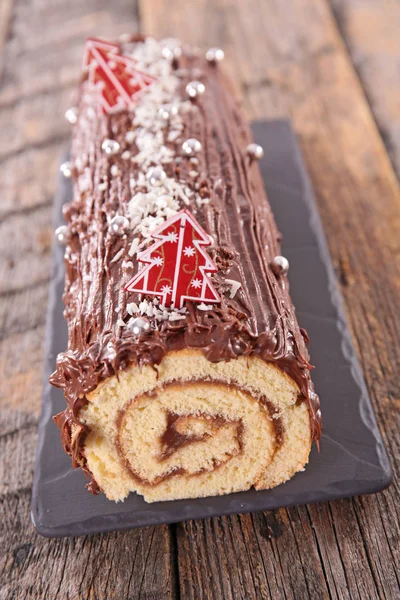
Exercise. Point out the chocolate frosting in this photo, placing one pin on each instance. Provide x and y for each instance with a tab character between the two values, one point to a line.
260	318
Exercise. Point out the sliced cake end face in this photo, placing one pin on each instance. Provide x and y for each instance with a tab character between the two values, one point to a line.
195	428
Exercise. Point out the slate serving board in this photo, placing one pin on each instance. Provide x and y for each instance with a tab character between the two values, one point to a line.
352	459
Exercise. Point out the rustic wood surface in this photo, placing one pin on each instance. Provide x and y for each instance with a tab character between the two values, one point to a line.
332	66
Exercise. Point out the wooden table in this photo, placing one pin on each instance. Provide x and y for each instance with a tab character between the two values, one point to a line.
333	67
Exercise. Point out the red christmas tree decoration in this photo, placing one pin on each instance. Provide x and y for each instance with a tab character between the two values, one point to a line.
177	264
113	75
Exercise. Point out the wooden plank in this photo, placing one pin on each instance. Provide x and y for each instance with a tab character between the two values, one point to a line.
289	60
26	256
23	311
41	59
130	565
371	32
250	557
21	380
24	185
6	7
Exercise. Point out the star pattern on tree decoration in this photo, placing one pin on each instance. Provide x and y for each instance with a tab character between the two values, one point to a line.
175	268
196	283
112	75
189	251
172	237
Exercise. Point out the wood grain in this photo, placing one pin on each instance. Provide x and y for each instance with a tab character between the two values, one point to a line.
130	565
371	32
5	15
301	70
330	67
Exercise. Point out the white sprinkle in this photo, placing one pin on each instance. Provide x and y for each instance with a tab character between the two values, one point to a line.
118	256
126	155
177	188
114	170
235	286
203	306
141	180
175	317
201	201
102	186
130	137
132	184
193	174
162	202
132	308
111	350
134	247
173	135
143	307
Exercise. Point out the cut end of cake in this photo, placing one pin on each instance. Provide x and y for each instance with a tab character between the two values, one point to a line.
195	429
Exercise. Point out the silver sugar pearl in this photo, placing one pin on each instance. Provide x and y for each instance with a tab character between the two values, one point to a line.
167	111
171	49
255	151
195	89
62	235
110	146
139	326
156	176
280	266
215	55
119	225
72	115
66	169
239	346
191	146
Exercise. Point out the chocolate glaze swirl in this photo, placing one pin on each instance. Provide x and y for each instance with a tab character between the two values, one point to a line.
259	320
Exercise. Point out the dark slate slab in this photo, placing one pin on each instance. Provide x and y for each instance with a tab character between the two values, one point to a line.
352	459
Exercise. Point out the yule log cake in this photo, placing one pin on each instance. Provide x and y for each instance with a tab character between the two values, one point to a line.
186	373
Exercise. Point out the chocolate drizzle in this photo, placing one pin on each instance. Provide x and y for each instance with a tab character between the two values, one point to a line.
172	440
260	318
